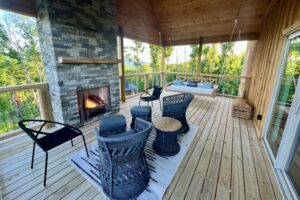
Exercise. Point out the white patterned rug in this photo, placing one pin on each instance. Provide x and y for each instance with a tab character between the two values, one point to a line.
161	169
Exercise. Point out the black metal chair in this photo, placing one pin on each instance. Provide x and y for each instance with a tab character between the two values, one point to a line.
175	106
157	90
50	140
122	166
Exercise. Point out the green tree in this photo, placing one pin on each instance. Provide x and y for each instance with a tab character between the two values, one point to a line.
194	58
137	50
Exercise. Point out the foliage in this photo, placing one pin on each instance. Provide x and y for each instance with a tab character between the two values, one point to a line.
20	63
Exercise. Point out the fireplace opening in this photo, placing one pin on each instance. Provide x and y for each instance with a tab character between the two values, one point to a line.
93	102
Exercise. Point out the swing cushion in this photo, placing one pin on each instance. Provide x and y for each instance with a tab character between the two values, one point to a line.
178	82
192	83
192	90
205	85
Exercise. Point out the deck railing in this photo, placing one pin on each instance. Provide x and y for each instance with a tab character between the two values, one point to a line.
18	102
141	81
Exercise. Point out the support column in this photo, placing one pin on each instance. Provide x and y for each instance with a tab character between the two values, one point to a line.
248	61
163	67
121	45
199	56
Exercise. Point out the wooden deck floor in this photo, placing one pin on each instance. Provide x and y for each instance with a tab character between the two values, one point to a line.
225	161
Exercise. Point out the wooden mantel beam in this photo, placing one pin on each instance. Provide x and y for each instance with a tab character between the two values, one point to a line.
64	60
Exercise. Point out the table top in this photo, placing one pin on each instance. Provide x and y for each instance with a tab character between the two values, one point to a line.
167	124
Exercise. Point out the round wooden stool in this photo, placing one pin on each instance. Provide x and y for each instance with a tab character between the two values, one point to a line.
165	143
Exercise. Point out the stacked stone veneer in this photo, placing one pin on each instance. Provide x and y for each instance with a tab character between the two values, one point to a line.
77	28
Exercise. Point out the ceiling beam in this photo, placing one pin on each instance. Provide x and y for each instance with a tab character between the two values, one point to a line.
24	7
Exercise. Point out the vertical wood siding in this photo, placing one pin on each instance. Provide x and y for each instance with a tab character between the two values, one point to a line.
267	56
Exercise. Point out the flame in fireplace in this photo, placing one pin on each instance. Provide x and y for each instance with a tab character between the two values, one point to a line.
93	101
89	104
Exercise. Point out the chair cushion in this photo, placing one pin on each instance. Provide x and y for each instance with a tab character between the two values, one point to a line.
192	83
110	122
178	82
57	138
140	110
149	98
205	85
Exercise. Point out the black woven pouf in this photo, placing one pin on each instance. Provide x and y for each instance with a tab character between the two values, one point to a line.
112	124
143	112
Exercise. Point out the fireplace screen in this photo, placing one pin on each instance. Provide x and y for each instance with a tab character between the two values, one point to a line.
93	102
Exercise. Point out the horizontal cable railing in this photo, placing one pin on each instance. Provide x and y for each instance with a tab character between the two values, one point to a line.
19	102
137	83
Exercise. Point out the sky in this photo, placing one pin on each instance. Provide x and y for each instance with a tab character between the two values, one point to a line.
181	52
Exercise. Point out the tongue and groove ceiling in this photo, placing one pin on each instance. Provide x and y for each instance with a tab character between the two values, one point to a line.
179	21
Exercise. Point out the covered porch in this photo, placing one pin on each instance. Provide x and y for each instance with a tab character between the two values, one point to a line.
82	43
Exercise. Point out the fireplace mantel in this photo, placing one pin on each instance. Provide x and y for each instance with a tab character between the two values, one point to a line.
65	60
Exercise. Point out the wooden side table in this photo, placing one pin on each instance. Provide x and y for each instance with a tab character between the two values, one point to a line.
165	143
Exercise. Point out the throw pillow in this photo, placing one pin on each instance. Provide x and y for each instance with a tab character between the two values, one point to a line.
178	82
192	83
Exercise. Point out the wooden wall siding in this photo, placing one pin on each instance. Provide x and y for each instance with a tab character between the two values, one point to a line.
268	52
138	20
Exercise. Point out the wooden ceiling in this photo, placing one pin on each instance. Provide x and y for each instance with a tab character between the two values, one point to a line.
179	21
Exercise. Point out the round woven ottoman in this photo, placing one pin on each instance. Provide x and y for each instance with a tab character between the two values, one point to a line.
112	124
143	112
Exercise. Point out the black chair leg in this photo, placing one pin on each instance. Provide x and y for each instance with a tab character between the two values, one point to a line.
72	142
45	173
32	158
87	153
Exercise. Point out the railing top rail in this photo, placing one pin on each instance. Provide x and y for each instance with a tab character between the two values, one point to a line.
141	74
209	75
14	88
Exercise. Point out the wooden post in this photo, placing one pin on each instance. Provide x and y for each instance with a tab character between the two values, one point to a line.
145	82
121	51
199	56
45	104
162	67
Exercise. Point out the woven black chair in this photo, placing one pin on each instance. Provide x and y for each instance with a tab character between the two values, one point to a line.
175	106
122	165
157	90
51	140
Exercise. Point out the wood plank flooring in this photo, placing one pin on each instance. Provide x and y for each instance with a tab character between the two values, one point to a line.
225	161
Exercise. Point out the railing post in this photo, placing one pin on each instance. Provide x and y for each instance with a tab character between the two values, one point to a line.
45	103
162	79
145	82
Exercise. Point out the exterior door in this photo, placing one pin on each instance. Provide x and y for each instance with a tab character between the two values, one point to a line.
282	133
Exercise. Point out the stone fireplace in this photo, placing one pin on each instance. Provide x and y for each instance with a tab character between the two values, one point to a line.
79	29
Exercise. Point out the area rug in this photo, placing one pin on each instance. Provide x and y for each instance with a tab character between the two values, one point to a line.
161	169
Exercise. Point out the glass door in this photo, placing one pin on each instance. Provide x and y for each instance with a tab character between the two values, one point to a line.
290	71
282	133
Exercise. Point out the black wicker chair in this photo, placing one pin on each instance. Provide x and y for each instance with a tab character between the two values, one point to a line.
157	90
175	106
51	140
122	165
